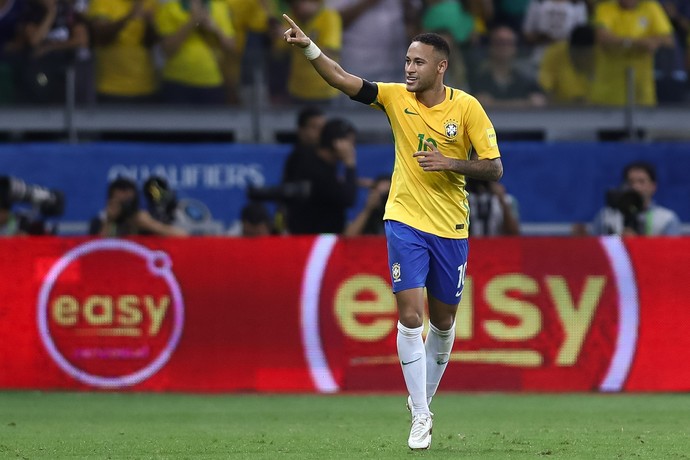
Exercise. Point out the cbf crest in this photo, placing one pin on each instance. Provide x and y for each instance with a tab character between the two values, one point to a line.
395	272
451	127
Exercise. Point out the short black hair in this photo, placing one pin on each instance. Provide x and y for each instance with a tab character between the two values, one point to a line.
306	114
121	183
255	213
643	165
435	40
582	36
334	129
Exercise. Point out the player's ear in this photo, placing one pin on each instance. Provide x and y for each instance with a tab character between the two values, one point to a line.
442	66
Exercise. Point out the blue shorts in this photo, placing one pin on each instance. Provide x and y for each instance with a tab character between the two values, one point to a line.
419	259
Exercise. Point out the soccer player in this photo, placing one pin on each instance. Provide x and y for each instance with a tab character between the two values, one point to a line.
435	128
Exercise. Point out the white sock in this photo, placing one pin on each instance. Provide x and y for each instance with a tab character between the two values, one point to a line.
437	345
413	362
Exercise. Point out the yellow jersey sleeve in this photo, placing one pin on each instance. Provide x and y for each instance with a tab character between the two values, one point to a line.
660	24
480	130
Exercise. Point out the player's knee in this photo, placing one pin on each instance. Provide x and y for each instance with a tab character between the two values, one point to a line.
444	323
410	318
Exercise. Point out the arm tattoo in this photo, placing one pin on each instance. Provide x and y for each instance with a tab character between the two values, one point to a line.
491	170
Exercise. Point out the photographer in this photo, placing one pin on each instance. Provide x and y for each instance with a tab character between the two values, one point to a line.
493	211
12	224
123	217
630	209
44	203
328	194
369	221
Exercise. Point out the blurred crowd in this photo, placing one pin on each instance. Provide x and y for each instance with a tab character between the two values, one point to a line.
512	53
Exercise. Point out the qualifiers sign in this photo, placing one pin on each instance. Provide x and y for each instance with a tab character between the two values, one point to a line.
536	314
110	312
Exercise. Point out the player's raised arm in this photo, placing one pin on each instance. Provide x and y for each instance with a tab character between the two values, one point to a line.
329	70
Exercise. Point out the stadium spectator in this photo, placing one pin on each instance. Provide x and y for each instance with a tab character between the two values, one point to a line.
499	83
55	37
328	194
493	212
629	32
12	224
483	12
310	122
670	70
456	24
631	210
678	12
255	220
123	216
304	84
195	34
10	15
369	221
548	21
253	21
449	17
551	21
123	37
426	212
364	49
510	13
567	68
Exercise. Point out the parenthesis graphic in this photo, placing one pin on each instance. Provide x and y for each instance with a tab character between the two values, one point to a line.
320	372
158	263
628	313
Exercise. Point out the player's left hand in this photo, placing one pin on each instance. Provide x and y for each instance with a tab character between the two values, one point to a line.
294	34
432	159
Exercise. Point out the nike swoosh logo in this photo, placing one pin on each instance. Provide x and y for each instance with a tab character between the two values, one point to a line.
458	294
409	112
410	362
441	363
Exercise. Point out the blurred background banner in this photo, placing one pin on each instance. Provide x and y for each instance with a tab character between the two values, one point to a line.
555	183
316	314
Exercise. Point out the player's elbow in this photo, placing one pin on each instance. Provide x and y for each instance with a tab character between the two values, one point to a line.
497	169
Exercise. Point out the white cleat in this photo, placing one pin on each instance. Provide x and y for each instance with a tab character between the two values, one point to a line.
420	432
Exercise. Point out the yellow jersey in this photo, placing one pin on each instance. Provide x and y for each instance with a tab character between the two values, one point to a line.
195	63
648	19
559	78
125	66
304	82
433	202
246	16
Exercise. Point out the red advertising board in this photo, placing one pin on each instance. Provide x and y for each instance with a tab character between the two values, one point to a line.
303	314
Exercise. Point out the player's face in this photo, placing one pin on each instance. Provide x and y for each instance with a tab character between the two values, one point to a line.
423	67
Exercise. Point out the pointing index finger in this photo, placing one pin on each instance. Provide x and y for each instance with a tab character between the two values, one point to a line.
289	20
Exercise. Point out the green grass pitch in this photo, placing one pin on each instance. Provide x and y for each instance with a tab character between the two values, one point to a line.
38	425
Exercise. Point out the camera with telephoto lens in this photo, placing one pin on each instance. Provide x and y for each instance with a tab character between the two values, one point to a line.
628	202
161	199
48	202
285	192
